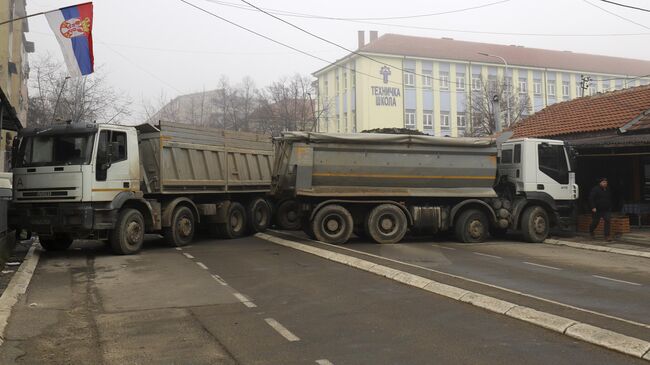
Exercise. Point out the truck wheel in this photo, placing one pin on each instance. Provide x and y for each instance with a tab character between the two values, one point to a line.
181	233
333	224
288	215
535	224
307	228
471	226
259	215
58	243
235	225
386	223
128	235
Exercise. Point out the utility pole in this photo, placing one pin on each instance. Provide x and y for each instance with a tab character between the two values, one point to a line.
58	97
585	81
507	85
497	113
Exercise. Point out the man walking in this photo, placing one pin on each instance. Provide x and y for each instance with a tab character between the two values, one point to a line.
600	201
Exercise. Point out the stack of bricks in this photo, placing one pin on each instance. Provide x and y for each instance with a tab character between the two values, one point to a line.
619	225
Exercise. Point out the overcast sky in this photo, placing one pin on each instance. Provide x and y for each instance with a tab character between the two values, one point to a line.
153	47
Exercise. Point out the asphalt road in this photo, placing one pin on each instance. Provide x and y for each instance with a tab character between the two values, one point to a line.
249	301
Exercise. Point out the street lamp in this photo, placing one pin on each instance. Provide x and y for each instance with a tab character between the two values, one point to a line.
507	86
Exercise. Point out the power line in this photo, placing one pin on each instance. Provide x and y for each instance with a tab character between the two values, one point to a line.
625	5
289	46
289	13
616	15
451	30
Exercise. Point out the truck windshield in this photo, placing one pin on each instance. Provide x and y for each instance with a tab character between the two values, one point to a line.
55	150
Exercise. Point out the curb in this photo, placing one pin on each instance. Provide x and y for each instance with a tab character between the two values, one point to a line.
17	286
586	246
581	331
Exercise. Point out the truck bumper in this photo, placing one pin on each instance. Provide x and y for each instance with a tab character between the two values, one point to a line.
78	220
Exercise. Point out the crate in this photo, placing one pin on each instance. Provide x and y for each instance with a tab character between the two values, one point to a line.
619	224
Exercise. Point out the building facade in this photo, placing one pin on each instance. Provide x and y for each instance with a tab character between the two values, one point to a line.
397	81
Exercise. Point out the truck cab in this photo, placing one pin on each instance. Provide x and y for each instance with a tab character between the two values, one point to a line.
540	169
65	174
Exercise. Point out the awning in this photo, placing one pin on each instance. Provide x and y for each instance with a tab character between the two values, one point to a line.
613	141
9	119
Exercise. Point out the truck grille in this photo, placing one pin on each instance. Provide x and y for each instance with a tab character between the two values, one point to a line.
49	194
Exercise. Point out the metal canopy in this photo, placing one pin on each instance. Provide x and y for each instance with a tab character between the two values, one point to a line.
8	118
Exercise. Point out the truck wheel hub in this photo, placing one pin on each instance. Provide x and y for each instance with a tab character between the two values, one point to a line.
539	224
476	229
133	232
387	224
185	226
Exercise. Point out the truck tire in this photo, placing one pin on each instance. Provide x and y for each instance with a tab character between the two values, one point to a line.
386	223
288	215
58	243
235	226
181	233
471	226
333	224
535	224
259	215
128	235
307	228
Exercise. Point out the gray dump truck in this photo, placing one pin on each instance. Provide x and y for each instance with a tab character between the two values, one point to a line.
115	183
380	186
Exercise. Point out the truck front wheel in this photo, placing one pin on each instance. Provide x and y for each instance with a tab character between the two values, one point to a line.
333	224
471	226
386	223
535	224
58	243
128	235
181	233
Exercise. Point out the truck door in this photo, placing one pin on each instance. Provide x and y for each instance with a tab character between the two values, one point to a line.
111	166
553	171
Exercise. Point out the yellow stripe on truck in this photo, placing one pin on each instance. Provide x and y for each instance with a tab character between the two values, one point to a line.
384	176
108	190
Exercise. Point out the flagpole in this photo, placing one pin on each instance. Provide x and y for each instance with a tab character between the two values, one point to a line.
35	14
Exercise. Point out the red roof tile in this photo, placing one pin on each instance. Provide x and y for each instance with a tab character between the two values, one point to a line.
587	114
447	48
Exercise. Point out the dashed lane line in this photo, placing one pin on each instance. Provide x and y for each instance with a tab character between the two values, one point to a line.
540	265
202	265
282	330
188	255
179	249
324	362
445	247
486	255
242	298
616	280
219	279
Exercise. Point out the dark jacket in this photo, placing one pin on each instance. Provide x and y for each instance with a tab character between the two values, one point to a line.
600	198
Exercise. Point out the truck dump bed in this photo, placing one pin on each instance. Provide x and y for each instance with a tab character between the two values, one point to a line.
375	165
190	159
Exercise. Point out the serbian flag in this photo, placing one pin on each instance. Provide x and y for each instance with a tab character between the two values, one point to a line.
72	27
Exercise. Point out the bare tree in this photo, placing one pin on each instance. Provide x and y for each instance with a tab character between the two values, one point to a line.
55	96
484	108
287	105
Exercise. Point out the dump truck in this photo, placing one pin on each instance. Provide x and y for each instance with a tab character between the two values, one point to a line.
116	183
382	186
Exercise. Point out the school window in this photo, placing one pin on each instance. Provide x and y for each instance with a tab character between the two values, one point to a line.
325	87
460	82
605	86
409	79
461	120
354	78
345	122
444	80
476	83
337	84
508	84
523	86
566	87
427	122
537	87
492	83
409	119
345	81
444	120
426	80
551	88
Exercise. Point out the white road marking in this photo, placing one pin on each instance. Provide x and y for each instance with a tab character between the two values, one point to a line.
282	330
445	247
616	280
324	362
486	255
219	279
188	255
244	300
202	266
540	265
645	325
179	249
